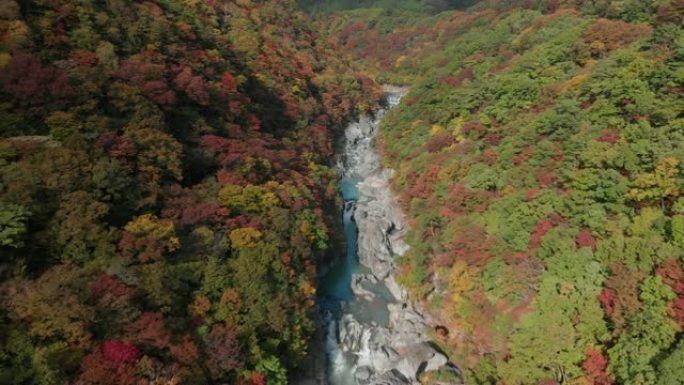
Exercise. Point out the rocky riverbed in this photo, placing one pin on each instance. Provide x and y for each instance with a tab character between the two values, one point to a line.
378	336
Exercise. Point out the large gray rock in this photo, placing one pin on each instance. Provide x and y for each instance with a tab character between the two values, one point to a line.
380	223
380	353
363	374
407	324
350	333
360	158
382	359
419	358
391	378
400	293
357	288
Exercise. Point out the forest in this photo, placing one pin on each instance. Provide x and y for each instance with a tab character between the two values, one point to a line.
167	191
539	156
164	175
422	6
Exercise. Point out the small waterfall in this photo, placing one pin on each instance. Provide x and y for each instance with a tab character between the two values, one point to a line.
338	364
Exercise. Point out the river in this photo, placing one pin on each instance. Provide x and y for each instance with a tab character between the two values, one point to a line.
373	333
358	160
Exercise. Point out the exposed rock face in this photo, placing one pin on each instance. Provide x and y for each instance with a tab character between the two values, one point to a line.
380	223
391	378
383	352
396	353
398	291
360	158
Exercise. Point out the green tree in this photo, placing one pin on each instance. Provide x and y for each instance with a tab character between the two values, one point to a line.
649	333
13	221
79	232
661	183
671	367
542	347
677	225
274	371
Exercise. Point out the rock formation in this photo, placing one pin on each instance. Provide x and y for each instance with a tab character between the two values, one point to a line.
396	353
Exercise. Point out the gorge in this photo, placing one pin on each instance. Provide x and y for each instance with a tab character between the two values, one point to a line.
223	192
374	333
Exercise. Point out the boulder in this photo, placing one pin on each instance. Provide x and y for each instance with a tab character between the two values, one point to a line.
406	324
359	157
419	358
373	245
350	333
363	374
393	377
357	288
399	292
383	359
381	224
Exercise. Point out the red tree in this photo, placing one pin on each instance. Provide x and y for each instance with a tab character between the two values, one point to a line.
110	292
473	129
159	92
540	230
119	351
546	178
548	382
439	141
423	184
31	83
185	207
119	147
462	199
228	83
607	299
254	378
620	297
672	273
185	351
96	369
193	86
150	329
595	367
609	136
469	245
223	350
585	239
615	33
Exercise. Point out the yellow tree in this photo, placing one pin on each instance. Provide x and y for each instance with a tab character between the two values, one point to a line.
662	183
245	237
148	237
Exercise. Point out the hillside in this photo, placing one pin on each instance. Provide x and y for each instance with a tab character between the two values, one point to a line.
539	155
170	191
164	170
424	6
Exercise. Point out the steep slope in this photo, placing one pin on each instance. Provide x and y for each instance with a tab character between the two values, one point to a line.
539	154
428	6
163	175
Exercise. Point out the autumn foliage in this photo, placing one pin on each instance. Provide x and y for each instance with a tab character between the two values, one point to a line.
595	367
154	157
543	237
607	35
672	273
118	351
